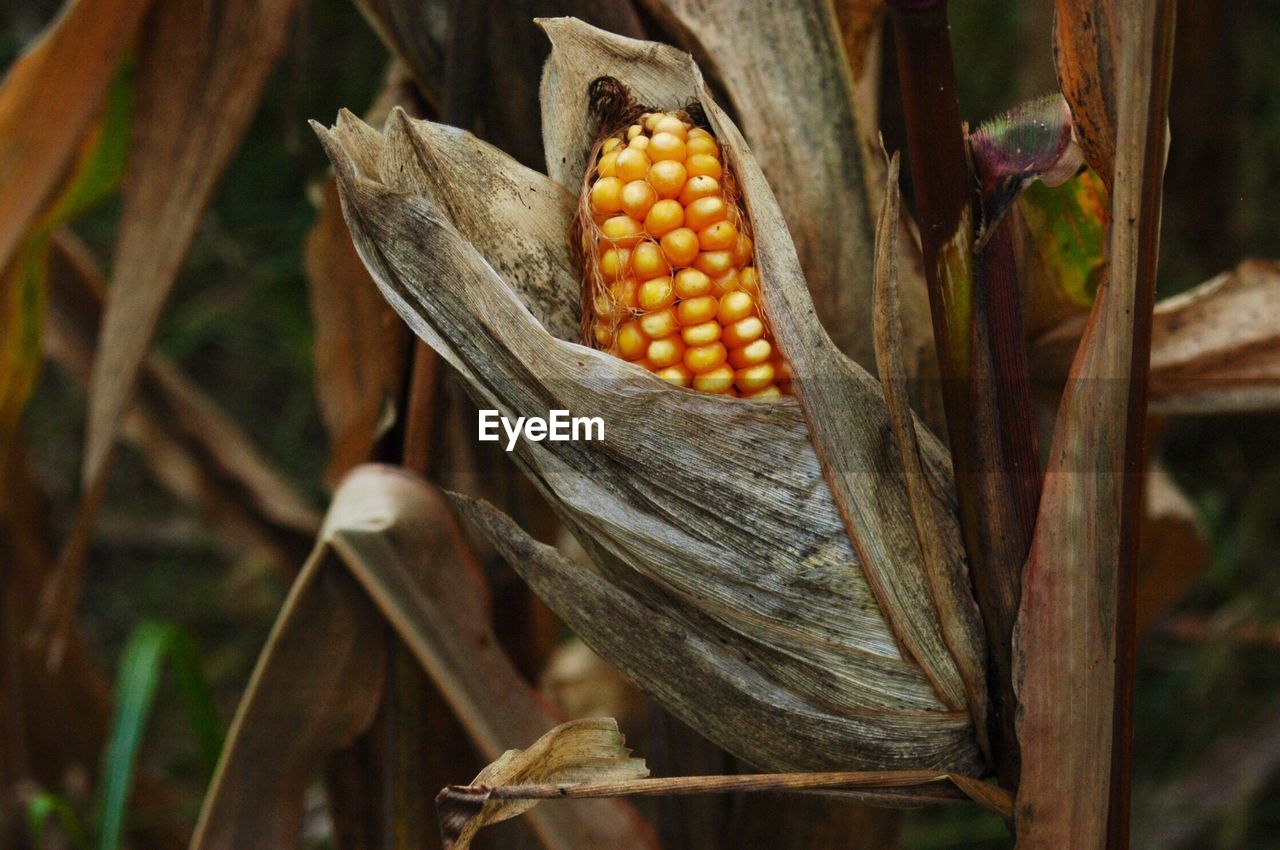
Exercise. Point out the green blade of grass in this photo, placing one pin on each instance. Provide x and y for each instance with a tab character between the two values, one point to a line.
44	806
136	683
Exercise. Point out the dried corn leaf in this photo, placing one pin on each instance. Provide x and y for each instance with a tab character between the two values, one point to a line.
1086	36
361	346
1065	642
588	750
1214	348
1174	547
47	101
201	69
390	554
796	107
775	571
187	441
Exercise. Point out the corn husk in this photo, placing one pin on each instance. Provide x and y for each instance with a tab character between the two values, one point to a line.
713	516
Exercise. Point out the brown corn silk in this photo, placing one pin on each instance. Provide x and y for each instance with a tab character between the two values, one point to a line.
669	275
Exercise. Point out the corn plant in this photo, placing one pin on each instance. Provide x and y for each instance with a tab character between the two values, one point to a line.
864	523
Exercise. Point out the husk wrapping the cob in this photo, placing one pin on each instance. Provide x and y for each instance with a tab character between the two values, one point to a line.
725	580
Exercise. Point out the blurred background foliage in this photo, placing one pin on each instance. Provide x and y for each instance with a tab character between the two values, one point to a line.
239	324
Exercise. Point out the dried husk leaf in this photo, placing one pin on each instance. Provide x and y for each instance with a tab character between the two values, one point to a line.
797	109
587	750
390	554
1086	36
778	570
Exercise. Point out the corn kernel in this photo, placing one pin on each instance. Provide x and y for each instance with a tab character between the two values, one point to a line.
702	358
651	120
743	250
690	283
639	143
769	393
648	262
695	310
678	374
735	306
700	186
702	164
604	335
659	324
705	211
743	331
670	124
633	131
726	282
664	217
656	293
668	351
666	146
614	263
718	237
631	165
623	293
749	280
702	145
608	164
611	144
606	195
714	263
667	178
751	354
717	380
632	343
622	230
681	247
753	378
703	333
636	198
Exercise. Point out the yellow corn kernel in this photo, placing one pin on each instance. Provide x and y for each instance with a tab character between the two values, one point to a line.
622	230
670	124
631	165
714	263
702	358
705	211
606	195
668	352
717	380
734	306
700	186
678	374
718	237
750	354
667	177
743	331
664	217
608	164
635	198
659	324
647	261
690	283
611	144
632	343
703	164
680	247
753	378
692	311
614	263
666	147
703	333
656	293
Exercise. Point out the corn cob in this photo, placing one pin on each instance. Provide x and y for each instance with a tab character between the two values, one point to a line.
671	282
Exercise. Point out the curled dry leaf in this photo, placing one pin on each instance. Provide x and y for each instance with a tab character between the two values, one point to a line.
390	557
473	251
1214	349
587	750
1086	36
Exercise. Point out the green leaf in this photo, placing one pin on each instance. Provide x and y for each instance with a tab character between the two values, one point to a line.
1068	231
45	805
140	669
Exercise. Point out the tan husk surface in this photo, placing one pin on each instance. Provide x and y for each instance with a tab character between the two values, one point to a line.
796	665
